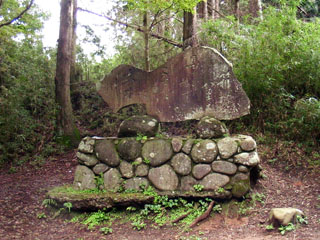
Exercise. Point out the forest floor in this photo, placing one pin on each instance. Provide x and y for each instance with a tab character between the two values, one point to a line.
23	191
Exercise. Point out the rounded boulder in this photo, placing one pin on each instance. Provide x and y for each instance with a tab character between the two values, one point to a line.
209	127
135	125
157	151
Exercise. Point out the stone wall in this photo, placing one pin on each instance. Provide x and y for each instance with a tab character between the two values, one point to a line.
219	168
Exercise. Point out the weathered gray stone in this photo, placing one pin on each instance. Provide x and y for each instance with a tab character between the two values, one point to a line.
187	183
243	169
209	127
84	178
214	180
136	183
240	185
126	169
87	159
144	125
195	83
157	151
204	151
86	145
224	167
181	163
176	144
112	180
227	147
129	149
283	216
248	159
100	168
188	146
106	153
164	178
247	143
142	170
201	170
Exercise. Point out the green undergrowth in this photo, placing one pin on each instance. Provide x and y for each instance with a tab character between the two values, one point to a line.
162	211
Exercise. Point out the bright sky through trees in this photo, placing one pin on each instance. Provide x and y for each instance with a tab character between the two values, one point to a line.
51	26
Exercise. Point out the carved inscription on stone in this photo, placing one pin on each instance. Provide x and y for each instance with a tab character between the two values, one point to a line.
197	82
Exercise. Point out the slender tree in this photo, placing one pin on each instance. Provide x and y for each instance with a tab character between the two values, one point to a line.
255	8
65	122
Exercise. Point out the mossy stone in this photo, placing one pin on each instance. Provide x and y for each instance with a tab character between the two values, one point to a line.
204	151
129	149
106	153
84	178
144	125
240	185
157	151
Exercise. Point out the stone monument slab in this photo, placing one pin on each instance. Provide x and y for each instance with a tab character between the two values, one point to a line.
197	82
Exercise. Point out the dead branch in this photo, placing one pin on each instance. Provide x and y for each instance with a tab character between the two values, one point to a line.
18	16
203	216
137	28
181	217
1	1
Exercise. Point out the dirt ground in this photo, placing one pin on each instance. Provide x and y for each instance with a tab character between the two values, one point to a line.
22	193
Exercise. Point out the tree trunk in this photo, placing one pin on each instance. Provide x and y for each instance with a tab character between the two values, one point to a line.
255	8
217	9
65	121
73	43
213	9
146	41
190	29
202	9
236	9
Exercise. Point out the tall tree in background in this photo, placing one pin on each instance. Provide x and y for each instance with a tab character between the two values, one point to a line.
65	121
255	8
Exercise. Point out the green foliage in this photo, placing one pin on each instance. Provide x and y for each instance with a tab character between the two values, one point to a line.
95	219
48	201
302	220
288	228
68	205
217	208
277	62
41	215
141	137
138	224
99	180
221	190
146	160
270	227
27	106
157	5
106	230
198	187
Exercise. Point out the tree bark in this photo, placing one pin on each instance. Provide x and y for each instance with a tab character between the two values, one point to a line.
236	8
146	41
190	29
65	122
216	9
202	9
73	42
255	8
213	9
